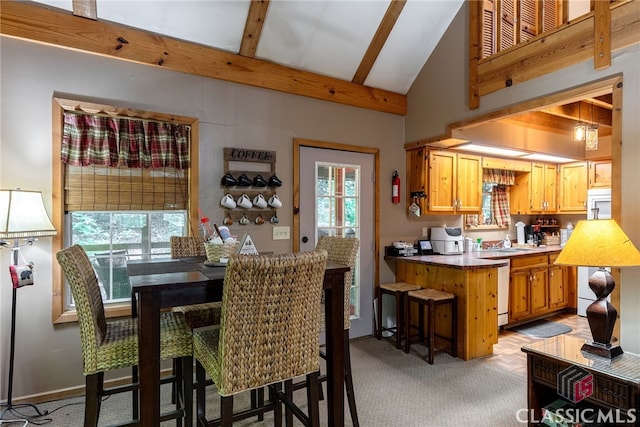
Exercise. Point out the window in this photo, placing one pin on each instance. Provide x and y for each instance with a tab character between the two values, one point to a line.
119	200
505	23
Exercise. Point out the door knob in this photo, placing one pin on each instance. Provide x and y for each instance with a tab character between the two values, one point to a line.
305	239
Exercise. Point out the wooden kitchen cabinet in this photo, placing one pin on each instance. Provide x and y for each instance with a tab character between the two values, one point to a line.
600	174
573	187
536	287
534	192
454	182
558	284
542	190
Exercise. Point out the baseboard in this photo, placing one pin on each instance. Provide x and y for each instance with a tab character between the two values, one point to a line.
77	391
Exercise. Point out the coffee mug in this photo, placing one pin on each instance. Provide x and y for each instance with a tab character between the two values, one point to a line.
244	201
274	219
260	202
274	181
227	220
244	220
259	220
228	202
274	201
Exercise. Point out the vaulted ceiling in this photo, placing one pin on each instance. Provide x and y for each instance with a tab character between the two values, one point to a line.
376	43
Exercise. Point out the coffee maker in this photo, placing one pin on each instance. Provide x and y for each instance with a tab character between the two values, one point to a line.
533	234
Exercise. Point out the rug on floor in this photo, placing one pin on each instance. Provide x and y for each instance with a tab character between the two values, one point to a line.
542	329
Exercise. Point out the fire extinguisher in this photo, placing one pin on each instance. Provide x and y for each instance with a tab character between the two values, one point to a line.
395	187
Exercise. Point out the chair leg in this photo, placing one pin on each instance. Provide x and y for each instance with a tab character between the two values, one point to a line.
399	303
186	389
226	411
348	380
200	395
432	330
92	400
407	323
313	399
277	410
288	391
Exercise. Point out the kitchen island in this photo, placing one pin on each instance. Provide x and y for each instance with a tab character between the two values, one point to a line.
473	278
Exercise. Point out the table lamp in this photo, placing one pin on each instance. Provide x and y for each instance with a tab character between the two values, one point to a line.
23	218
600	243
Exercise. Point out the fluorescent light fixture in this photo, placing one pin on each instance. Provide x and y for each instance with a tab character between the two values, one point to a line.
547	158
495	151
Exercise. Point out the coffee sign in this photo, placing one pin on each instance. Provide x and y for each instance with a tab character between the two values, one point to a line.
246	155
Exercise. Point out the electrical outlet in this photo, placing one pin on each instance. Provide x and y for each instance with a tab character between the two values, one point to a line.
281	233
425	231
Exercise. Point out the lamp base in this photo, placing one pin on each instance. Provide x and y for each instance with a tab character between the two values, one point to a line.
603	350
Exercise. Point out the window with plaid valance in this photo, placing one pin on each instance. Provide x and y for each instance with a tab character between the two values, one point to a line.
120	163
499	196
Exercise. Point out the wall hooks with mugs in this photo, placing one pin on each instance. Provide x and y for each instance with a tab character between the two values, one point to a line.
249	195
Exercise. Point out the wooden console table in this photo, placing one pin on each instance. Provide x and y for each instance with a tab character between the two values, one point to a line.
615	385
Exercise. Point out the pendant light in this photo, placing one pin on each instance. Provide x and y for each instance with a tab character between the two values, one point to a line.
580	129
591	136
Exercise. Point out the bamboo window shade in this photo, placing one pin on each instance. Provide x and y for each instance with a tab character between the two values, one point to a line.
94	183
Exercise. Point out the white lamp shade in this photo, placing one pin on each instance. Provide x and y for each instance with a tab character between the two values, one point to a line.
23	215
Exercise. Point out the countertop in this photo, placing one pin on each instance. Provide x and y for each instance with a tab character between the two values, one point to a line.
487	258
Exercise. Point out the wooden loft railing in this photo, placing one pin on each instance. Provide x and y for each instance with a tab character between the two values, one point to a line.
609	27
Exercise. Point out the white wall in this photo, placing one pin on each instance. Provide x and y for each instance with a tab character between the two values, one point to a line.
47	356
439	97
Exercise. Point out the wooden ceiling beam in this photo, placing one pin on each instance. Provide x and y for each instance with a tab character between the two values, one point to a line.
253	27
379	39
43	24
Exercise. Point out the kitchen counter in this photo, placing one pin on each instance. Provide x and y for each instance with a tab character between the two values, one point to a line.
473	278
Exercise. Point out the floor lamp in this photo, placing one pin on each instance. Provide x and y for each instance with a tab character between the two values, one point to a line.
23	218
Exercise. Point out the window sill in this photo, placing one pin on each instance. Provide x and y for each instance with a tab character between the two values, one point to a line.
112	311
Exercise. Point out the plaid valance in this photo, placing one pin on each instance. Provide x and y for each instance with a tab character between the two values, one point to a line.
116	141
499	176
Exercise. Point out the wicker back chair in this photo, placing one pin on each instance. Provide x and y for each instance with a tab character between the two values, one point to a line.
344	250
108	345
197	315
269	332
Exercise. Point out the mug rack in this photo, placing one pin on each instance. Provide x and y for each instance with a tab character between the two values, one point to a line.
232	154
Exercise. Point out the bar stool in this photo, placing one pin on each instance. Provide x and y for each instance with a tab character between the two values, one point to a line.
398	290
429	298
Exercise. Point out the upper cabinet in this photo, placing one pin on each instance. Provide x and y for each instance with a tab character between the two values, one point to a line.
573	187
600	174
455	182
417	175
543	188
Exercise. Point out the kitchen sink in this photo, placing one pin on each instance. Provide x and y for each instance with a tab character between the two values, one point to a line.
509	249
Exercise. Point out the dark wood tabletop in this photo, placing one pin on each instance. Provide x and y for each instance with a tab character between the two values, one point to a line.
164	283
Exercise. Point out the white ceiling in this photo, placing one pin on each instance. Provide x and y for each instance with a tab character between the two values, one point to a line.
328	37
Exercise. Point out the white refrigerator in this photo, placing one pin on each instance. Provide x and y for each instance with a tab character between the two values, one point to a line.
598	202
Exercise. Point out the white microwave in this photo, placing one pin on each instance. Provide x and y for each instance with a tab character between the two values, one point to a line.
599	203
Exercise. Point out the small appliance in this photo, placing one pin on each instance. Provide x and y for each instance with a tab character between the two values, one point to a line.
447	240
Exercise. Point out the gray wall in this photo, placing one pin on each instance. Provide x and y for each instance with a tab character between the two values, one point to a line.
439	97
48	356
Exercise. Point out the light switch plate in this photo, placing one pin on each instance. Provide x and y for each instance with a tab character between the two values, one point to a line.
281	233
425	231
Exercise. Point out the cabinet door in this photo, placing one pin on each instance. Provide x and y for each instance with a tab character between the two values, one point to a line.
519	201
539	290
442	187
469	183
417	176
550	188
558	289
573	187
536	188
518	295
600	174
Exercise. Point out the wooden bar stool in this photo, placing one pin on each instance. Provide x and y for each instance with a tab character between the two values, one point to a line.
429	298
398	290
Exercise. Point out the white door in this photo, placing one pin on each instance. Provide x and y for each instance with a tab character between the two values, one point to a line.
337	198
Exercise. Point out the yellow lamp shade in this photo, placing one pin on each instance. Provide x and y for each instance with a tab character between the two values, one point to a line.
599	243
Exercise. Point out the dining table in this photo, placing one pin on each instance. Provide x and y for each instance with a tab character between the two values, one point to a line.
161	283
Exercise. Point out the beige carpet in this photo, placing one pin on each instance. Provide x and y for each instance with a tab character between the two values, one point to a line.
392	389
